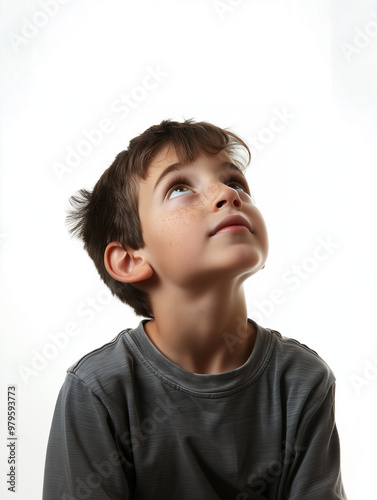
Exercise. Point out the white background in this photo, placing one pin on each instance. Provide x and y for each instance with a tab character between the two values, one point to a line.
238	64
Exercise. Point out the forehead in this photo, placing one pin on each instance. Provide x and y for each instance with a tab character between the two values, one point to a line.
167	161
164	157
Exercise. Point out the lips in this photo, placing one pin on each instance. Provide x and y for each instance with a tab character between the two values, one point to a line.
231	220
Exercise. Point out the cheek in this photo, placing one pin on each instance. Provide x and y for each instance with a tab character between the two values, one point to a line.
261	230
181	226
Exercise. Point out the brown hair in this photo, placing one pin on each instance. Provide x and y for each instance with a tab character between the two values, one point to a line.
110	212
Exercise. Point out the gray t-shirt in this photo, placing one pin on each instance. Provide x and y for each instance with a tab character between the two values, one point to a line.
131	424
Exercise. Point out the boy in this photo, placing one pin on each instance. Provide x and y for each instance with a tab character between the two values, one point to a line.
199	401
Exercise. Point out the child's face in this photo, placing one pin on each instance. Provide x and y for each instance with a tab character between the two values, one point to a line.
178	218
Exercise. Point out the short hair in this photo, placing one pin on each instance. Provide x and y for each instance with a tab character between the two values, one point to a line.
110	211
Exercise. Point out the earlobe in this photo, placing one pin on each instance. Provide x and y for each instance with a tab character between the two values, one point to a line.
126	266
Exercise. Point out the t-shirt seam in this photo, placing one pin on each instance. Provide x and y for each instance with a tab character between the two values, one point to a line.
73	368
87	386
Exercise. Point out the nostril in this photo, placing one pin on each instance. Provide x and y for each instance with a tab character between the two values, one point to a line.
236	202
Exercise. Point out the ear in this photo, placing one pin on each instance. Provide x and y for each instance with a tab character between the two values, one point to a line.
126	266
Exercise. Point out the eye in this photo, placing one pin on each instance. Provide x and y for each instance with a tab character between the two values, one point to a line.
178	191
239	182
178	186
235	186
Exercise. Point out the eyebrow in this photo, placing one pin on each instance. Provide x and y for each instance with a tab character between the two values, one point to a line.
175	167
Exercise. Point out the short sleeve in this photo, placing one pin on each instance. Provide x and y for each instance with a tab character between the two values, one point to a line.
315	470
82	459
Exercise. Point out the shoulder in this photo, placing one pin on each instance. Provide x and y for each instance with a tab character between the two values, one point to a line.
299	365
99	385
105	365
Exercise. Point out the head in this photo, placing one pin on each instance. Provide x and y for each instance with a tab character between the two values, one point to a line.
107	219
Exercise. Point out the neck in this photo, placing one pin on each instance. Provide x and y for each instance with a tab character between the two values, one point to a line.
204	332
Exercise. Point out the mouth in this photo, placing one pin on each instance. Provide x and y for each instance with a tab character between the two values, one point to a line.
232	224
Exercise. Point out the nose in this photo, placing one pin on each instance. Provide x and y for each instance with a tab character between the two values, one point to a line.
226	196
